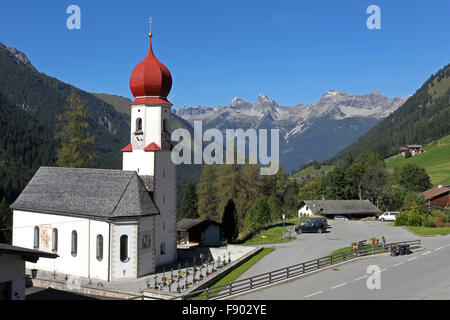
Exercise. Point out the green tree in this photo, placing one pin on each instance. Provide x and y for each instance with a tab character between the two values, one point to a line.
276	208
374	182
416	198
313	190
189	203
73	133
230	222
206	190
413	178
5	222
258	216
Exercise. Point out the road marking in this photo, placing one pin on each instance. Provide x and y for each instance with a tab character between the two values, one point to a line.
396	265
383	270
313	294
412	259
437	249
360	278
339	285
424	254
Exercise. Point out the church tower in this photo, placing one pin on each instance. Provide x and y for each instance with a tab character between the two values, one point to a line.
150	147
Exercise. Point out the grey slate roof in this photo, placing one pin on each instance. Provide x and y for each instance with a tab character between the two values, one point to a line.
101	193
337	207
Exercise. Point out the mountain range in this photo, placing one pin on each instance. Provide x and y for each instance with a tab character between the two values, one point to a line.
307	132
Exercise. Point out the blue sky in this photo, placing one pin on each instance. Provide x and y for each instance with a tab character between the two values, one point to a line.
293	51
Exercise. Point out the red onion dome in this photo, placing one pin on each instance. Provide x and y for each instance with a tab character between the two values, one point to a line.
150	81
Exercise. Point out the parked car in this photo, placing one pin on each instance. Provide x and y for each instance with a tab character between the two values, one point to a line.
388	216
321	220
342	218
311	226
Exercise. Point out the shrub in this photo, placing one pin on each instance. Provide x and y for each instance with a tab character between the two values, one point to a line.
428	222
401	219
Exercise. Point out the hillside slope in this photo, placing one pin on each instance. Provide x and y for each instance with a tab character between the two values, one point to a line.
423	118
25	145
43	97
435	160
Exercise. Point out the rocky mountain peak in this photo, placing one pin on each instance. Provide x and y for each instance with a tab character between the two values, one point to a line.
17	55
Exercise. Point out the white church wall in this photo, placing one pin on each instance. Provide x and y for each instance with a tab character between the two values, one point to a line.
23	236
146	246
99	268
152	128
165	200
127	269
140	161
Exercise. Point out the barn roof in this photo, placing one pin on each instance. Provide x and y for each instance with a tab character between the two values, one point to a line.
436	192
336	207
100	193
189	224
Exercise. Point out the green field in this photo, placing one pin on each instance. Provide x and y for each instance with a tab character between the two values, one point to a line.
274	234
435	160
312	173
424	231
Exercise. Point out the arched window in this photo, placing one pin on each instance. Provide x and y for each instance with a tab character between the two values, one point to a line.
166	128
124	248
99	247
163	248
55	240
74	250
36	238
138	125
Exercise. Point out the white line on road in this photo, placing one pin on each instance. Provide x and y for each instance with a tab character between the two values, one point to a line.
412	259
313	294
424	254
360	278
396	265
438	248
339	285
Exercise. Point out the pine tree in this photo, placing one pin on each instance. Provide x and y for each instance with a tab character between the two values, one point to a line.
189	203
73	132
5	222
230	222
207	201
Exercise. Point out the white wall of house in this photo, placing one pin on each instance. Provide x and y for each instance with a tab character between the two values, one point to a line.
23	236
165	199
305	211
12	269
127	269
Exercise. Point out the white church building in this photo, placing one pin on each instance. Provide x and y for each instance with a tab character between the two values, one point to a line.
110	224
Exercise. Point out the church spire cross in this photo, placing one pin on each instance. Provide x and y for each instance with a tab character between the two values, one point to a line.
150	21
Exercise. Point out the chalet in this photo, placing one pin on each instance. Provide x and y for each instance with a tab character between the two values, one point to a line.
199	232
439	196
352	209
413	148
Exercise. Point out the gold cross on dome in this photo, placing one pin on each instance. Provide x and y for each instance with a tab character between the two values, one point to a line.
150	21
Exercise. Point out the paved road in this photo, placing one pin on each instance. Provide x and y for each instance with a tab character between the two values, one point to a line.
309	246
421	275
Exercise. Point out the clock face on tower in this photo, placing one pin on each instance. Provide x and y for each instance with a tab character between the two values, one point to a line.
138	141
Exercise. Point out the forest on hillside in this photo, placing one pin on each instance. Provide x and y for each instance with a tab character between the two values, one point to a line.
423	118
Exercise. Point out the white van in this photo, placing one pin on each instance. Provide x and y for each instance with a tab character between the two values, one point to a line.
388	216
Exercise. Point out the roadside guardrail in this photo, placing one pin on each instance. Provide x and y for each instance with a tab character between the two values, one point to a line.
264	279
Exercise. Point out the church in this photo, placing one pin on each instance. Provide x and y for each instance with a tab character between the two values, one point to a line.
110	224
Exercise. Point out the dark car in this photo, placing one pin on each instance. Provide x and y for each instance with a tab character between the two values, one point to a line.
321	220
311	226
